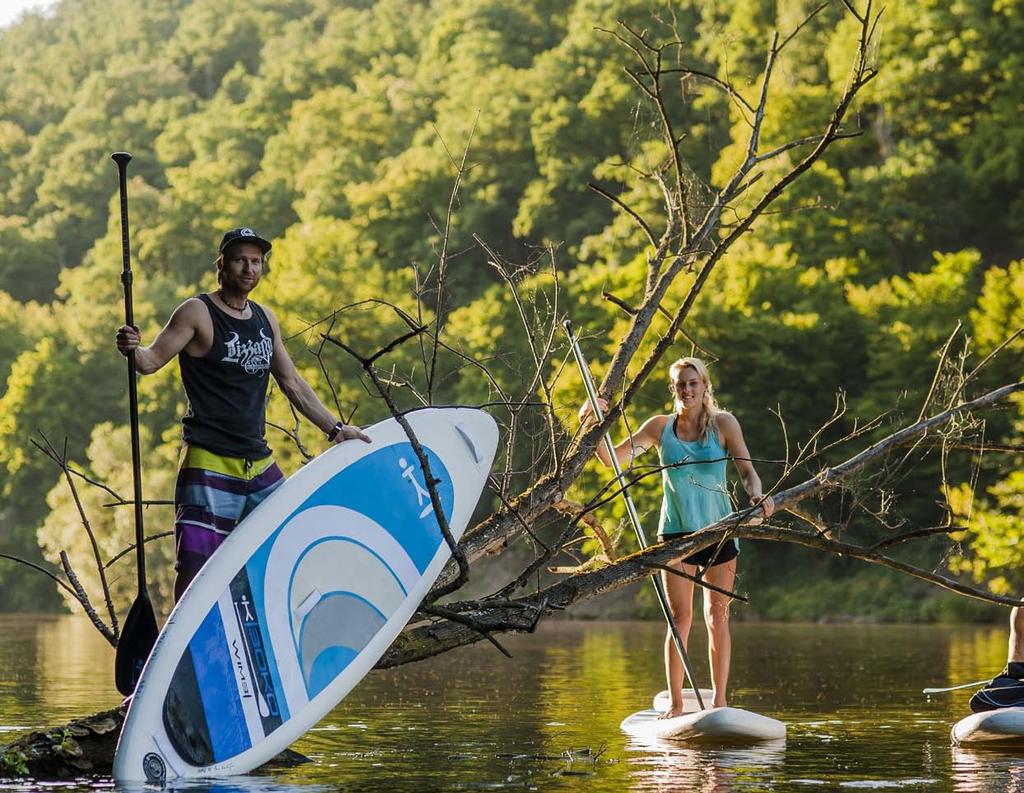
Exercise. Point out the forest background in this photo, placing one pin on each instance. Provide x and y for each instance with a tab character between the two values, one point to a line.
335	129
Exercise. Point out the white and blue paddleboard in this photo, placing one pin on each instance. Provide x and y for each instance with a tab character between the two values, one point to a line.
302	599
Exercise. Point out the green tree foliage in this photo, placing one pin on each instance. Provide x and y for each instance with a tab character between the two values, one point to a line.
337	129
994	507
999	312
908	319
21	326
45	393
27	259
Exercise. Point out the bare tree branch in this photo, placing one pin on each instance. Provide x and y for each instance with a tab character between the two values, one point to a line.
61	459
83	598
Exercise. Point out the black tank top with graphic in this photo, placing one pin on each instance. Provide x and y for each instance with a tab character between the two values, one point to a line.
227	387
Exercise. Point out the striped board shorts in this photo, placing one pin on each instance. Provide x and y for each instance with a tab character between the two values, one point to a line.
213	493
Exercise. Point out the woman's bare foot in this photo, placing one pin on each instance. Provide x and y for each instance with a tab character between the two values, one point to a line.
674	711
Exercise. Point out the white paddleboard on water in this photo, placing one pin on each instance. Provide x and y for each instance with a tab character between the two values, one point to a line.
1004	726
714	725
302	599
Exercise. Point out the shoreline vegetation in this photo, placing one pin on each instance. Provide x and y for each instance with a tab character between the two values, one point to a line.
868	597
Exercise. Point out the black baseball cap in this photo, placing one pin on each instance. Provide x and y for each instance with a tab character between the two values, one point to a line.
244	234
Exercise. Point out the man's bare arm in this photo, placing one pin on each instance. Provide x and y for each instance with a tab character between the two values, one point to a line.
301	394
180	329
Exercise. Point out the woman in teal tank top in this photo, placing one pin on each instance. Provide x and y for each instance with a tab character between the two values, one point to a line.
694	444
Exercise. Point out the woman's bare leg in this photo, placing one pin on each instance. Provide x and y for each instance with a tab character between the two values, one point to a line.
680	602
716	617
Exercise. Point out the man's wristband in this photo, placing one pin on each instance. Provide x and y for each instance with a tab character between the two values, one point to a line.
335	430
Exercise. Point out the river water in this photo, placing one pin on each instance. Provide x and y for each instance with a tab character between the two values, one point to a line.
548	719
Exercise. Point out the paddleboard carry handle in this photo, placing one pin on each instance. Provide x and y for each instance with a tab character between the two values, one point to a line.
634	517
468	440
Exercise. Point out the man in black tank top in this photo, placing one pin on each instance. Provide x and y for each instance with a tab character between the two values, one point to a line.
227	347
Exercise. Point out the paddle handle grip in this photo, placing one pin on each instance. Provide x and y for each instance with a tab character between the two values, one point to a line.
122	158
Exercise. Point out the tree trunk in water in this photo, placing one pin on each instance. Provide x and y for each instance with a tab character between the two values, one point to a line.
81	748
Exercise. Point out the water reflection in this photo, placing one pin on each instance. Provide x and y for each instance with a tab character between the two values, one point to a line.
74	665
235	784
664	766
548	719
976	654
987	770
52	669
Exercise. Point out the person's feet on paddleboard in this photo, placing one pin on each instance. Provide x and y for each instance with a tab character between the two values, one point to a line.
673	712
677	705
1005	691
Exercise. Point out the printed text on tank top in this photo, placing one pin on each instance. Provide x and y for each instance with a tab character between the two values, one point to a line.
226	388
202	344
251	355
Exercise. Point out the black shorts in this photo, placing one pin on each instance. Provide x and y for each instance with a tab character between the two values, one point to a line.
710	556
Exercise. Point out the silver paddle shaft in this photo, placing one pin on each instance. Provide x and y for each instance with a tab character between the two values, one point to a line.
634	517
975	684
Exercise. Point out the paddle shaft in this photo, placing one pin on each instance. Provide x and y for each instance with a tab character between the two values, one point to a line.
975	684
634	517
122	158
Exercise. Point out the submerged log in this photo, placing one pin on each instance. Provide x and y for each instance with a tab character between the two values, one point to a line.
84	748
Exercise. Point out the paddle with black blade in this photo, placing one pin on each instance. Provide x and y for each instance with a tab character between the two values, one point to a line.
634	517
139	632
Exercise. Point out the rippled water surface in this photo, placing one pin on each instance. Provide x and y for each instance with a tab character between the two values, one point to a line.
548	719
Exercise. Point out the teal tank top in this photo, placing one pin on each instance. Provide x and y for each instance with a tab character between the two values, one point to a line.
695	494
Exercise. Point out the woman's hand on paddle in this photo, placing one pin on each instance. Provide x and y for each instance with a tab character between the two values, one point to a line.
127	339
586	411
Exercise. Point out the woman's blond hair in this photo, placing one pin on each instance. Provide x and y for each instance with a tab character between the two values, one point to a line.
711	409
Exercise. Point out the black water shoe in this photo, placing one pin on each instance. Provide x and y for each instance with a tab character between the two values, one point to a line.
1005	691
